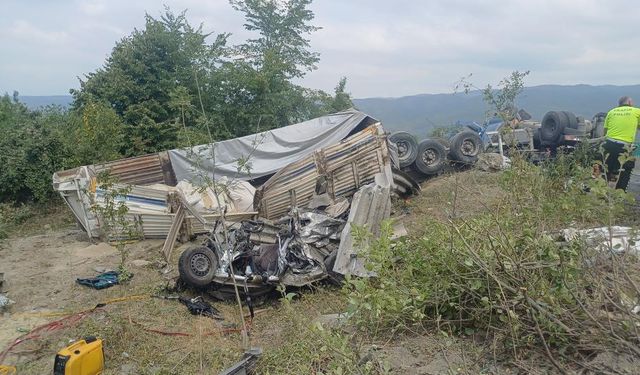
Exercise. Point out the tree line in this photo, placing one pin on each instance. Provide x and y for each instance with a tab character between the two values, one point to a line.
165	86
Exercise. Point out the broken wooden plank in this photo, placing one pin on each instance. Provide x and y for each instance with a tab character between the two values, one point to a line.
170	241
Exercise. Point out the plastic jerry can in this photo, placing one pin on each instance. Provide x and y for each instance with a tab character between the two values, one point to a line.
84	357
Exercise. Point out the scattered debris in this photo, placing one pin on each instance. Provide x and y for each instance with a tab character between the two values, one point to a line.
492	162
370	206
5	302
198	306
399	231
246	365
614	239
102	281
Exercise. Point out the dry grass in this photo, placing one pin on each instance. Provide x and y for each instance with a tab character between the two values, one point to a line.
479	191
211	346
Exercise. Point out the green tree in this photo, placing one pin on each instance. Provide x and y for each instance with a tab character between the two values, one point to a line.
502	98
32	148
282	48
261	81
341	99
98	135
143	70
171	88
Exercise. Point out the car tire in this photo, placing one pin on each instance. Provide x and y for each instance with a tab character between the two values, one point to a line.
465	147
407	147
431	157
552	127
197	266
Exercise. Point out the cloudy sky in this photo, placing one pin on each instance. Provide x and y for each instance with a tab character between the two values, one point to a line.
383	47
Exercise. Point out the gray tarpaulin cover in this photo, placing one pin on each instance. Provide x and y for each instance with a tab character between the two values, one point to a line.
268	151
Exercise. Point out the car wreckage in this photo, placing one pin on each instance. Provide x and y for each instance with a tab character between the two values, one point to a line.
287	219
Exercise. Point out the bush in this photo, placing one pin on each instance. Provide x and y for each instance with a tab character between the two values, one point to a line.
32	148
503	272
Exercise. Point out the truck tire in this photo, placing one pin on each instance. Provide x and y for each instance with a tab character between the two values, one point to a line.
465	147
431	157
572	120
197	266
407	147
553	124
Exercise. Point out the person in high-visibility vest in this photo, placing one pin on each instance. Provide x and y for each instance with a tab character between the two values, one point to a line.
620	127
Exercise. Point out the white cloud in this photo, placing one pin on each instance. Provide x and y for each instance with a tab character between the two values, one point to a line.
92	7
30	33
385	48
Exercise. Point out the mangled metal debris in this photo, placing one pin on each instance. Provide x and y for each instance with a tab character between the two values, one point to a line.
289	221
371	205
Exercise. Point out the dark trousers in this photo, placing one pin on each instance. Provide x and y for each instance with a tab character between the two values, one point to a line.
613	151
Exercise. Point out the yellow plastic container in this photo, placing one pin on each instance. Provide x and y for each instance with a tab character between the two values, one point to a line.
85	357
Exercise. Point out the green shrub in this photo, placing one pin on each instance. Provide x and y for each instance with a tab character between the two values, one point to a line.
504	272
15	214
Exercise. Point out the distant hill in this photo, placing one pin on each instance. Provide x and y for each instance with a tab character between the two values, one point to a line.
420	113
35	102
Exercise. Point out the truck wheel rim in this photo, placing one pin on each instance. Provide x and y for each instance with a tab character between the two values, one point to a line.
403	149
469	148
430	157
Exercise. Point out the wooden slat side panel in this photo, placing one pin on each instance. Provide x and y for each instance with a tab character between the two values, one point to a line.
347	166
141	170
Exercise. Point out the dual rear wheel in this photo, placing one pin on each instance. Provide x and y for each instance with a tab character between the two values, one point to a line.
430	156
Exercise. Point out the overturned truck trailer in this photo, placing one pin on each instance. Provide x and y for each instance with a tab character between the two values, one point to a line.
306	166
